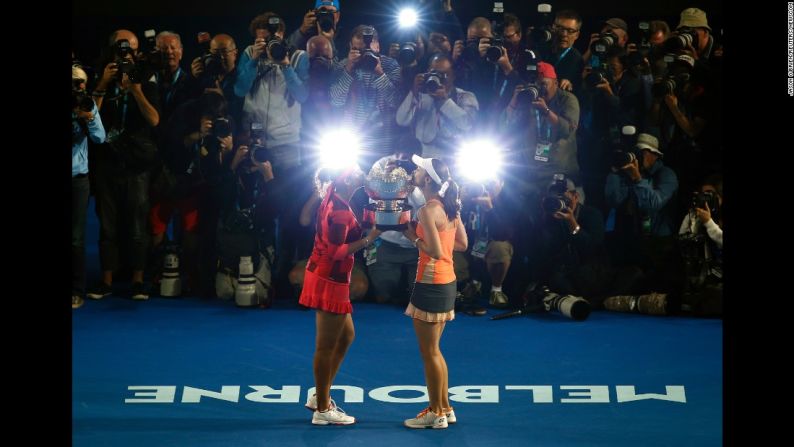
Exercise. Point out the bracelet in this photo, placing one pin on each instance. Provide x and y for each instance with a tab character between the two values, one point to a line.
415	242
366	241
548	110
576	230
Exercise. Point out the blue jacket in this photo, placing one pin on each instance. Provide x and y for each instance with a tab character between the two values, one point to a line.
80	141
651	196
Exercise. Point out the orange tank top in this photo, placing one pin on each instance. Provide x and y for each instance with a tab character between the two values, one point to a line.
437	271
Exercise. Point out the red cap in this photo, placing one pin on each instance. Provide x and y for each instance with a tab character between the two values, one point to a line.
547	70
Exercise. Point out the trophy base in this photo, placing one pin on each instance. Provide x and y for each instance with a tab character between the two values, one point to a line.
385	220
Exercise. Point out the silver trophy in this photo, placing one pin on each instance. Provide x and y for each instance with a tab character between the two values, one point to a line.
388	188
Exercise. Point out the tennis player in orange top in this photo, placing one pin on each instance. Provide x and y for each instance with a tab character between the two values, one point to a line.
439	231
326	288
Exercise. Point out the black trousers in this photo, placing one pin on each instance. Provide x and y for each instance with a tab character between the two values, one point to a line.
80	192
122	202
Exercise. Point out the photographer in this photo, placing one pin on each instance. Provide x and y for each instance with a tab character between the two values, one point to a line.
86	124
439	112
700	216
195	141
472	71
175	86
681	112
542	120
329	14
217	71
569	254
613	28
129	101
566	59
392	258
700	240
365	90
246	224
274	86
642	191
613	99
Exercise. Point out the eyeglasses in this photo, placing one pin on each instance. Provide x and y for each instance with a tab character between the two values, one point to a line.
224	52
510	36
563	30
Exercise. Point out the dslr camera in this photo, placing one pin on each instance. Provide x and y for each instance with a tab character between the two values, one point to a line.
325	18
275	45
556	200
80	97
705	200
682	38
369	58
258	152
598	75
528	93
213	63
126	66
542	33
433	80
152	60
602	45
669	85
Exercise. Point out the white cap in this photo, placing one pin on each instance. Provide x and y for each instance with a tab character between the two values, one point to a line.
427	165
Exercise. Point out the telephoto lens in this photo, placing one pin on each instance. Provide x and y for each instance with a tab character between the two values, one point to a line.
574	307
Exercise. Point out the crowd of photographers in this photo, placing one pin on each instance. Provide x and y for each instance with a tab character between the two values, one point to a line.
224	148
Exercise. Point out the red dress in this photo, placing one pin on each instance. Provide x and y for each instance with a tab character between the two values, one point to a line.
326	284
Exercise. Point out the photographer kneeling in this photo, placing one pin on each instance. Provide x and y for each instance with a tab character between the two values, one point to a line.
571	257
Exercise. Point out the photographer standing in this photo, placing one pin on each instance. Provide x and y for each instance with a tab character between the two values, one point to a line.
320	21
273	78
365	89
219	73
128	99
175	86
439	112
195	141
542	120
86	124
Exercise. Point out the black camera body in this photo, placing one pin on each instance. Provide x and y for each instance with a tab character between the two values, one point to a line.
369	58
528	93
556	200
258	152
604	43
221	127
494	52
669	85
325	18
597	76
213	65
152	60
705	200
621	158
275	46
82	100
407	53
433	80
681	39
